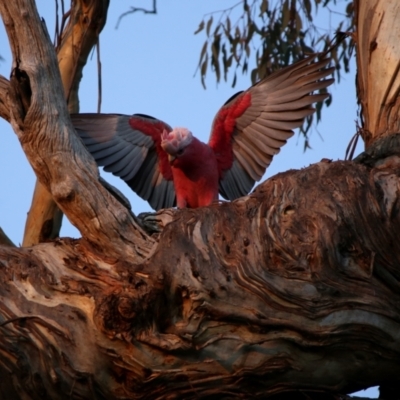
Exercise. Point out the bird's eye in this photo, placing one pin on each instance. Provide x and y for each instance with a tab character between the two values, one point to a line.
180	152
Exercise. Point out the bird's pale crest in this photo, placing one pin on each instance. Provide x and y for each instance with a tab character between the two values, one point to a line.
177	139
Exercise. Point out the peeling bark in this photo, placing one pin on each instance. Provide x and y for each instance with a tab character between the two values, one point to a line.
4	111
5	240
86	20
378	67
39	115
292	291
286	289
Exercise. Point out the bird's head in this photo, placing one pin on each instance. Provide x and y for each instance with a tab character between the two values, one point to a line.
175	142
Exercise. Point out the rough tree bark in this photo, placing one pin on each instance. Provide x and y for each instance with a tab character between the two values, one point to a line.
86	20
294	288
378	67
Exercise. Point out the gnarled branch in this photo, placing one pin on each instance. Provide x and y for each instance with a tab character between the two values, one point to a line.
294	288
40	118
288	289
86	20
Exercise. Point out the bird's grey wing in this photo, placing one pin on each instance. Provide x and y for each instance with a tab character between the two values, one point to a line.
129	147
252	127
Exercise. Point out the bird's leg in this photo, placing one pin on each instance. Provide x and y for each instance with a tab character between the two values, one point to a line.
181	201
156	222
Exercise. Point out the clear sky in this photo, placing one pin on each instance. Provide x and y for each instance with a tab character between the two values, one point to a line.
148	66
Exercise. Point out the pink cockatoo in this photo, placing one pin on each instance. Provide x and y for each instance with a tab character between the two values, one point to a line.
168	166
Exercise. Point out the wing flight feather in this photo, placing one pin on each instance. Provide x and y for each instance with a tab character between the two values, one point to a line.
253	125
130	147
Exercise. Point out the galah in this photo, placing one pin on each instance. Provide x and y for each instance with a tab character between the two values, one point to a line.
168	166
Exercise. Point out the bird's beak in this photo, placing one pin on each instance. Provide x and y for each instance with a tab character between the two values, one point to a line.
171	158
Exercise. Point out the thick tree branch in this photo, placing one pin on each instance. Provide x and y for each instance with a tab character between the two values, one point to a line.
378	74
5	240
4	111
86	20
40	118
293	290
288	289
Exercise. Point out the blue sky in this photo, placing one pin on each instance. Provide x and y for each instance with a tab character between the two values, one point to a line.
148	66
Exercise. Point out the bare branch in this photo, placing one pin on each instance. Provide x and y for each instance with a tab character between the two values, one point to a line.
379	98
137	9
5	240
80	28
4	111
99	85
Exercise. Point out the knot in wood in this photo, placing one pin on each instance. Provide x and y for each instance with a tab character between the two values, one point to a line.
63	190
117	313
127	307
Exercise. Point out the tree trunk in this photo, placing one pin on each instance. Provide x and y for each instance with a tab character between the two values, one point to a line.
294	288
378	67
86	20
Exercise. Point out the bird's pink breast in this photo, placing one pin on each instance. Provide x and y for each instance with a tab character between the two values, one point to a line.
195	176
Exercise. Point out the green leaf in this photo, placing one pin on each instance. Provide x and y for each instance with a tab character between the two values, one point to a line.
306	144
245	66
251	29
203	71
224	61
299	23
285	14
253	75
209	23
237	32
203	51
229	61
200	28
215	58
350	9
307	6
263	7
247	49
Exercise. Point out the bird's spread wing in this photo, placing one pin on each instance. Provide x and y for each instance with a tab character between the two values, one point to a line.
253	125
130	147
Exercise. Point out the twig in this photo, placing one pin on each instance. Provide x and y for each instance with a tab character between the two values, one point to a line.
135	9
5	240
351	147
99	85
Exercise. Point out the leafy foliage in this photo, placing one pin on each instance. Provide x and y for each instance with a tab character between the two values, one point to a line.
270	34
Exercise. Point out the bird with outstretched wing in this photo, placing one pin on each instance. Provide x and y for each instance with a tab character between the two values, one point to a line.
168	166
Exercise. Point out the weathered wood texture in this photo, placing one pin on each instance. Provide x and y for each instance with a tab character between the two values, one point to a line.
40	118
378	66
85	22
288	288
4	111
4	239
293	288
